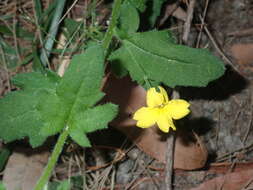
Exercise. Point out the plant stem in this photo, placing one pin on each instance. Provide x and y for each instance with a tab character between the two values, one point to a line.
52	160
45	52
109	33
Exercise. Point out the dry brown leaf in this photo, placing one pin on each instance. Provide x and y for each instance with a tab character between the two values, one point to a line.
130	97
222	167
174	10
243	53
24	168
231	181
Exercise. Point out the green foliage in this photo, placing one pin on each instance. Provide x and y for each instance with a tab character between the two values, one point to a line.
74	182
4	155
46	103
78	97
71	27
64	185
2	186
37	9
153	55
9	55
129	18
139	4
19	116
91	120
19	32
155	10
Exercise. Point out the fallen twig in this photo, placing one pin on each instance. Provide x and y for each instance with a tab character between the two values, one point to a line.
187	25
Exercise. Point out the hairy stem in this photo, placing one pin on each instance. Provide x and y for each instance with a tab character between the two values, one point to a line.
52	160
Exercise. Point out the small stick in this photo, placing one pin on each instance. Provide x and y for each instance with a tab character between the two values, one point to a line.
187	25
240	33
248	184
170	156
218	49
202	24
169	163
248	129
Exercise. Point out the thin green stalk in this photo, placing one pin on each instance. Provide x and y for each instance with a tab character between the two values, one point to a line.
52	160
45	53
93	12
109	33
37	10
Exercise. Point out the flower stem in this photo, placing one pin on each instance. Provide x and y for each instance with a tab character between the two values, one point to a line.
109	33
52	160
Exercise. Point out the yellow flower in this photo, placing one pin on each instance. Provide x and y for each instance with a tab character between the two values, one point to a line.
161	111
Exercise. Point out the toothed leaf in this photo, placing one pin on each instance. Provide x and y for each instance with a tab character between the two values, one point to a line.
155	56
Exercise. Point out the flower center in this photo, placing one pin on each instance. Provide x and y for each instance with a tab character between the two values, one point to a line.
161	105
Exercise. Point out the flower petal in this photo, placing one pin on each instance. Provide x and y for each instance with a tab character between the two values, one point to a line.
165	123
155	98
177	109
164	93
146	117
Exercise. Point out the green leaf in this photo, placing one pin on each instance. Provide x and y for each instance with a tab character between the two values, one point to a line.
48	103
19	116
49	11
35	81
38	9
75	182
27	59
76	94
118	69
4	155
81	82
129	18
71	26
154	56
80	138
139	4
52	111
9	53
2	186
64	185
20	32
91	120
37	65
155	11
94	118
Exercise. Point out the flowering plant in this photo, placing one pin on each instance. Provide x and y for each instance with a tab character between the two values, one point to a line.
48	104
